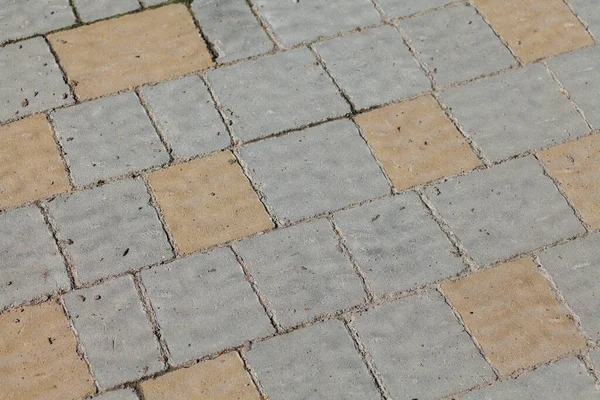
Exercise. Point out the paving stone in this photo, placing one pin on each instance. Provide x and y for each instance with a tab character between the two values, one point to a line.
297	186
204	304
92	10
456	44
31	166
187	117
20	19
223	378
353	59
115	333
125	52
420	348
513	314
150	3
110	229
318	362
290	88
123	394
302	272
39	356
515	112
31	79
415	142
231	28
589	12
118	130
595	356
397	244
535	29
302	21
506	210
208	201
402	8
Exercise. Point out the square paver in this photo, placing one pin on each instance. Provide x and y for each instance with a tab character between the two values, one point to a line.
20	19
456	44
315	170
589	12
513	314
276	93
208	201
415	142
119	394
302	272
402	8
186	115
420	348
31	79
397	244
92	10
352	61
118	130
318	362
125	52
204	304
110	229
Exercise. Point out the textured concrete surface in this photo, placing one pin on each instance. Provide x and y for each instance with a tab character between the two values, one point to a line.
92	10
122	394
20	19
589	11
402	8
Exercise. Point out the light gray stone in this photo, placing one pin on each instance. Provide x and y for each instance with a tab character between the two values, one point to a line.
506	210
110	229
150	3
23	18
318	362
402	8
397	244
589	12
420	348
315	170
276	93
595	356
115	333
204	304
456	44
364	63
92	10
514	112
122	394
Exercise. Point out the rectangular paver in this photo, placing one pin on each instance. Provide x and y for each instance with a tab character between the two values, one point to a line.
589	12
402	8
20	19
119	394
92	10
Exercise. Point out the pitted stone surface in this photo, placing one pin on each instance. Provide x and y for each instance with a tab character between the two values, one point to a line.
92	10
122	394
20	19
403	8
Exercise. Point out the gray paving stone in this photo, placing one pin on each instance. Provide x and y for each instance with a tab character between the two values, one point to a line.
302	272
397	244
92	10
23	18
31	79
506	210
122	394
420	348
276	93
318	362
595	356
185	112
514	112
401	8
150	3
456	44
31	265
302	21
232	28
110	229
114	331
204	304
589	12
315	170
364	63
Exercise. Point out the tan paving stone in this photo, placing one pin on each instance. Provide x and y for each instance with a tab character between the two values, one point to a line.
223	378
208	201
121	53
415	142
535	29
514	315
31	167
38	357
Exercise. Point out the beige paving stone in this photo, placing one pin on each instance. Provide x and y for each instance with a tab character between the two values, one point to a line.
124	52
30	167
514	315
223	378
415	142
208	201
535	29
576	166
38	357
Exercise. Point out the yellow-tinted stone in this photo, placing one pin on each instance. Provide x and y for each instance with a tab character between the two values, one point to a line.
38	356
514	315
125	52
221	379
30	163
416	142
208	201
535	29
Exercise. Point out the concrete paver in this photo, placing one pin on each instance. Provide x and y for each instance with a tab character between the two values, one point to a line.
403	8
21	19
589	12
92	10
123	394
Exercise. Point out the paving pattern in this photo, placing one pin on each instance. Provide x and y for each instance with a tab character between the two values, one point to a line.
299	199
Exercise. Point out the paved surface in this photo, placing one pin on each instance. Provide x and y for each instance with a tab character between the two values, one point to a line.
299	199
